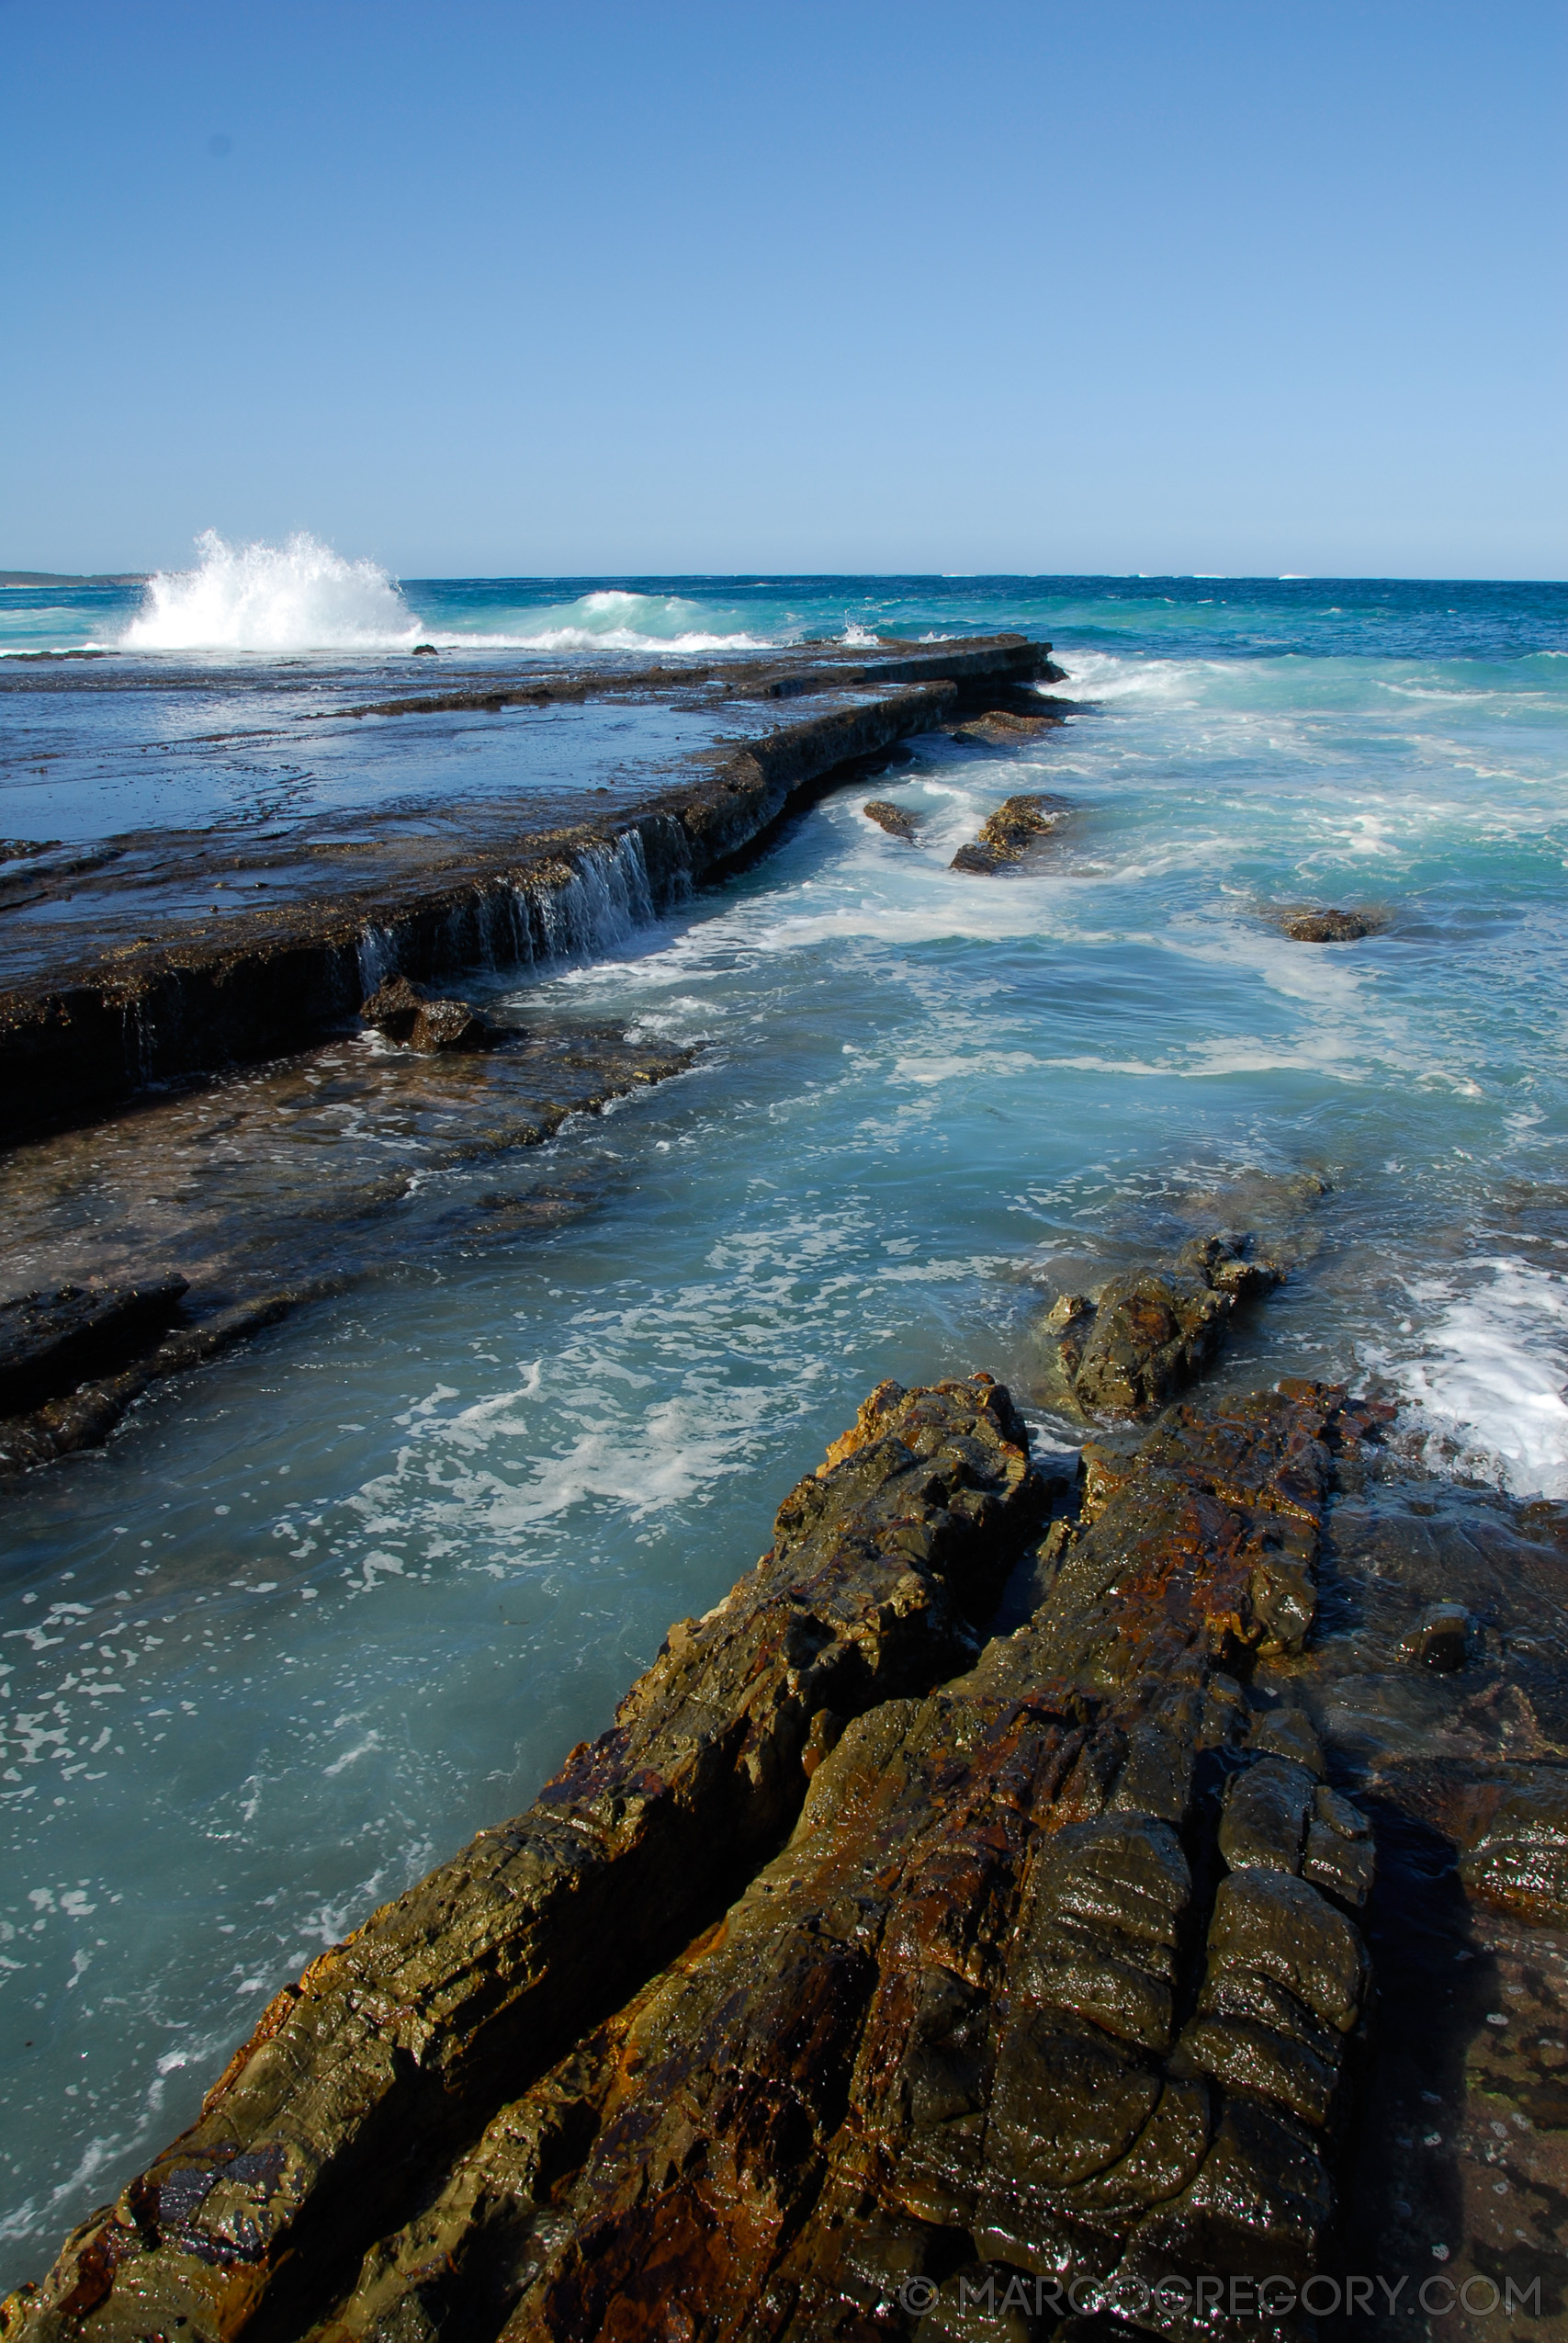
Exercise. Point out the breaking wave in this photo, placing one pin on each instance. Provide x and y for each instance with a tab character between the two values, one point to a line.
298	596
614	618
301	596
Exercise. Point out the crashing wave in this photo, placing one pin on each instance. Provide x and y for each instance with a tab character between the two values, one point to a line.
292	598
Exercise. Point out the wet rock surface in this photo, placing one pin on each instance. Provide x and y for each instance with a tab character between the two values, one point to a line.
391	2048
896	820
447	1025
1331	927
269	1189
1152	1332
84	1415
156	955
49	1342
1200	1925
401	1011
392	1008
1010	834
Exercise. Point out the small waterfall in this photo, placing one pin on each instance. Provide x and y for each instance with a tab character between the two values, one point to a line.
142	1037
664	854
583	905
598	906
378	959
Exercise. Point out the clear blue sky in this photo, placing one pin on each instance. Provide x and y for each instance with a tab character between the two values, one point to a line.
1160	285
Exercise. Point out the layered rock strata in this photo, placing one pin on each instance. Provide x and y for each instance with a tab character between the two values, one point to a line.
275	1191
84	1413
327	2125
1061	1976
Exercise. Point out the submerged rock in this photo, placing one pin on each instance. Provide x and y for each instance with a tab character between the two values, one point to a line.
50	1342
1007	835
896	820
85	1417
1330	927
1152	1332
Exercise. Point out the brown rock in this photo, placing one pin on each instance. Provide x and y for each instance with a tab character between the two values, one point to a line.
1152	1332
1009	834
442	1025
456	1995
392	1008
1330	927
851	1964
896	820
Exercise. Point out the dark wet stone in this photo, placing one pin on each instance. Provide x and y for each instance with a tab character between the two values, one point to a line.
392	1008
447	1025
85	1417
883	1564
1009	834
1521	1858
1152	1332
1062	1970
49	1342
1330	927
425	651
984	2302
1440	1638
295	1196
896	820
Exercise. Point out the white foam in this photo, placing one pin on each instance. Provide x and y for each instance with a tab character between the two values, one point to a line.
1490	1379
614	618
562	639
302	596
295	597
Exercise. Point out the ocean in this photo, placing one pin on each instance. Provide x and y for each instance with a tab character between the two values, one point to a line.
320	1612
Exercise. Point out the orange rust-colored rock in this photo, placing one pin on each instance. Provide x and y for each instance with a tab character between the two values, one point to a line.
868	1954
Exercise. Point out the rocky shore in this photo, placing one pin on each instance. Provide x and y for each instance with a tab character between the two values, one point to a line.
125	996
1111	1874
139	1176
1115	1889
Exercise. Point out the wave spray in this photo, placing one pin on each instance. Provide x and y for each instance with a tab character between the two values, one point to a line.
293	597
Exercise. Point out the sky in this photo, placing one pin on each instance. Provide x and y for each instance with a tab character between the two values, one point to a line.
1244	286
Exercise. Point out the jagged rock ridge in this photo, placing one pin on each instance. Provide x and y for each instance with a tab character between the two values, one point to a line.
866	1955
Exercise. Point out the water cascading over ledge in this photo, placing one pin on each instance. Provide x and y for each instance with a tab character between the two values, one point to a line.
74	1043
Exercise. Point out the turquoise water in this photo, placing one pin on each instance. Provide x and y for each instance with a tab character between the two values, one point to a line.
317	1614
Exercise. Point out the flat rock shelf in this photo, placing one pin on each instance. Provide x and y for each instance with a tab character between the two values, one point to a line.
126	970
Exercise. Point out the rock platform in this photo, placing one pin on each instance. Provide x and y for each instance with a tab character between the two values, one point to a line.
1203	1926
123	972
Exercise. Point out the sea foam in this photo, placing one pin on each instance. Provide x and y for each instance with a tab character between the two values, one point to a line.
1490	1381
294	597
